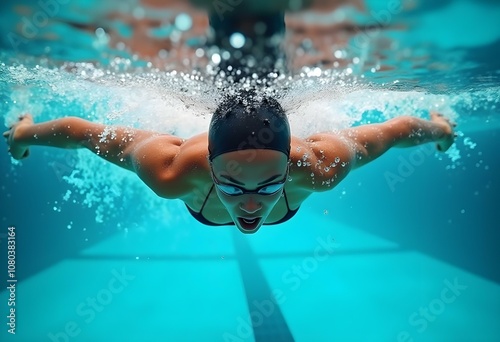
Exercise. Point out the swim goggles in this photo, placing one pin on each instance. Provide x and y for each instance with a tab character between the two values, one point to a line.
233	190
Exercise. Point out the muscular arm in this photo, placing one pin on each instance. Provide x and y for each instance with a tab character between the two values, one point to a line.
113	143
369	142
334	155
146	153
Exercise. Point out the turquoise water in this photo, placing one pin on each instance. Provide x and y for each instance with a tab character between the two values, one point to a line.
404	249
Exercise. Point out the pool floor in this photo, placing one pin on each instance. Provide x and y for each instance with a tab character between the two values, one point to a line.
329	282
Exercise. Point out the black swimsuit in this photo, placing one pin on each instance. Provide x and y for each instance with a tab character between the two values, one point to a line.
199	216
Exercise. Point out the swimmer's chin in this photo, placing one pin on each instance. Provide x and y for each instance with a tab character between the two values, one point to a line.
248	232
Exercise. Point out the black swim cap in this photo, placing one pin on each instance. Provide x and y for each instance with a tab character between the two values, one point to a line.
248	121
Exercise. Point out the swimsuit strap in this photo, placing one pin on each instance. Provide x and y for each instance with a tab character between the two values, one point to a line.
206	199
199	216
286	200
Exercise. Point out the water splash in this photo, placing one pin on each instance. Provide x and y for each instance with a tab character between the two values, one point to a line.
179	103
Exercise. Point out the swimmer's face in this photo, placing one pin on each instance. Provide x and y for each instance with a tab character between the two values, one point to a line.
236	173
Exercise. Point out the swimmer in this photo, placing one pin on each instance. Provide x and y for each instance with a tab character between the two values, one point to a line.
247	170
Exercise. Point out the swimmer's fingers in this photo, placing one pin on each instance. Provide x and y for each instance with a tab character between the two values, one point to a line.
8	136
437	117
444	145
22	120
446	142
448	127
453	124
7	133
16	150
25	116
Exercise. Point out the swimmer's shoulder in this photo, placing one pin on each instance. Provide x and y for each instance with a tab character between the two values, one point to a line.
193	153
319	162
188	168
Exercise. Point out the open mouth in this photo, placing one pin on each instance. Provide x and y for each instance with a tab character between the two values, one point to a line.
249	223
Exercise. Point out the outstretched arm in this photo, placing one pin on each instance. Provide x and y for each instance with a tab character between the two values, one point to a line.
333	155
369	142
144	152
114	143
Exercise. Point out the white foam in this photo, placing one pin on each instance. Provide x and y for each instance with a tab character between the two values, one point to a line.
181	104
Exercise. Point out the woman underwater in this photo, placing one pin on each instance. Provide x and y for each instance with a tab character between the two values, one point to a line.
246	170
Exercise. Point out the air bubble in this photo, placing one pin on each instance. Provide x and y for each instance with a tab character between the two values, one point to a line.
216	58
237	40
199	52
99	32
183	22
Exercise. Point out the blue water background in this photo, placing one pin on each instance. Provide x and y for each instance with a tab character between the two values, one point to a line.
403	226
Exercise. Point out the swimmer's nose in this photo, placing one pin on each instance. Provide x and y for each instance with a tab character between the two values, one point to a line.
250	205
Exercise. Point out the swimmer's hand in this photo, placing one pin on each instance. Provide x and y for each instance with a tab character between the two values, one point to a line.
16	149
448	128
